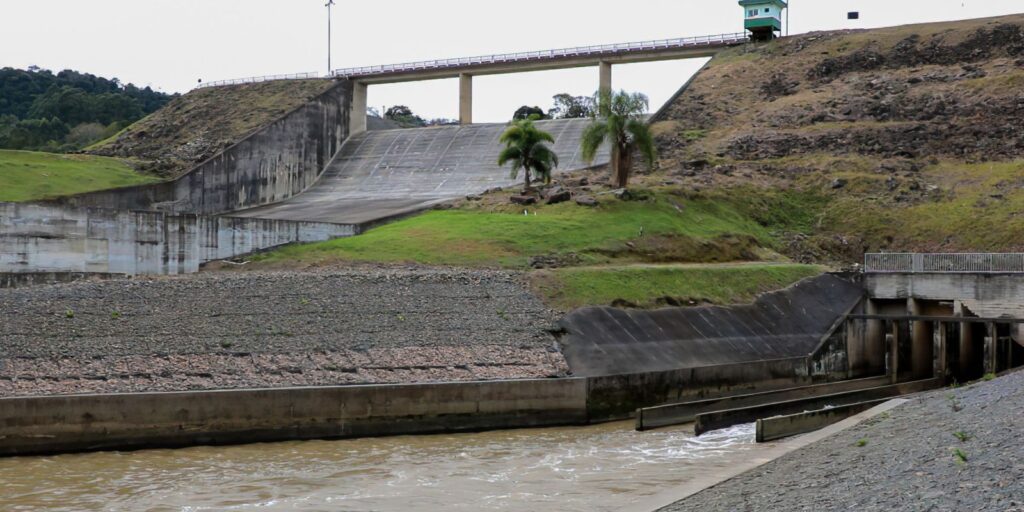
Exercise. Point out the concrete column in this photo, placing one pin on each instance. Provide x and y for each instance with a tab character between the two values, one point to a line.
874	341
465	99
605	82
357	116
941	362
991	338
922	358
894	352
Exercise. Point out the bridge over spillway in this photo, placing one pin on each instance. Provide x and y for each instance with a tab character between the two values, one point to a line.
382	174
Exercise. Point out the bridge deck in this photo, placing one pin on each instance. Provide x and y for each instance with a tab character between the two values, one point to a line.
379	174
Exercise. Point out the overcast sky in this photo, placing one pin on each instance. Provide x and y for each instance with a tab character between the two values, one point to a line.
169	44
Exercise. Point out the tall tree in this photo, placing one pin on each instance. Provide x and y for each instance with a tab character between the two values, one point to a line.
525	111
525	149
568	106
620	122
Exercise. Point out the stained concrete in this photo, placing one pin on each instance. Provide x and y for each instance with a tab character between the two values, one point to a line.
53	238
379	174
785	324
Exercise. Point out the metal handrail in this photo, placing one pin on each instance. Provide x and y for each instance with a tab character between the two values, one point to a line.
257	79
579	51
944	263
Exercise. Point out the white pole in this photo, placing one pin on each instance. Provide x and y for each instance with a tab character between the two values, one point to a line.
329	4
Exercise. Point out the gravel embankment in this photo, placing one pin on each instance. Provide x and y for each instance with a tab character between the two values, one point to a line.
908	460
231	330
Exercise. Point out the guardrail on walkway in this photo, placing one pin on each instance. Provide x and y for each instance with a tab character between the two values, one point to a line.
968	263
579	51
257	79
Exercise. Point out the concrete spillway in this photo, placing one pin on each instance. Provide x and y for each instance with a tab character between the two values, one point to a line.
380	174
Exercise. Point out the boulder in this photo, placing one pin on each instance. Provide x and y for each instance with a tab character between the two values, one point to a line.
523	200
586	201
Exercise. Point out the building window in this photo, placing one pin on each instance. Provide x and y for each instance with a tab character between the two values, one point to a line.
766	10
752	13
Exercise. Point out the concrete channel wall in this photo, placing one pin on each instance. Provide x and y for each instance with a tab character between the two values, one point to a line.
275	163
39	238
55	424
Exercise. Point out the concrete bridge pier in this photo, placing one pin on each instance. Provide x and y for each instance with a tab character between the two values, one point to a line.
874	342
465	98
605	80
357	116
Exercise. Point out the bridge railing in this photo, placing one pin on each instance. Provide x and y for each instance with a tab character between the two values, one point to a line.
257	79
944	263
579	51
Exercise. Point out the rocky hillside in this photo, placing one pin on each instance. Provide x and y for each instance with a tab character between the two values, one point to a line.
904	138
196	126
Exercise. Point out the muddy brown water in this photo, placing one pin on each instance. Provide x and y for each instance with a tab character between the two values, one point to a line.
596	468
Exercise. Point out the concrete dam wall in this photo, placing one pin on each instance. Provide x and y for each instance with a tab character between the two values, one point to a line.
380	174
788	324
48	238
275	163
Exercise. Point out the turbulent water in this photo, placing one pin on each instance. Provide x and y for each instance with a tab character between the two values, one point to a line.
595	468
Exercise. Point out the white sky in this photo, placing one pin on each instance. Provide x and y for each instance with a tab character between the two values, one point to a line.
169	44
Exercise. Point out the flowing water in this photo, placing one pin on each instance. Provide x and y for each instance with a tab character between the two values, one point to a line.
594	468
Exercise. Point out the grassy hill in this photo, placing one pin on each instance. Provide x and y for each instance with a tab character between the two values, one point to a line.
28	176
911	135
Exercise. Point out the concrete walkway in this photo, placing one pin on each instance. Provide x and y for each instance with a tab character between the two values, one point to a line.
380	174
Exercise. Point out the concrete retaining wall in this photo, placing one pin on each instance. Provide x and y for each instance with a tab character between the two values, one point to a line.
96	422
51	238
275	163
22	279
34	425
980	287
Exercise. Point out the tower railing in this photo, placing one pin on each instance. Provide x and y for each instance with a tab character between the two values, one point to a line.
967	263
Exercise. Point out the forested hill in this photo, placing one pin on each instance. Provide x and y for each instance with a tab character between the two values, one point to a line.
66	111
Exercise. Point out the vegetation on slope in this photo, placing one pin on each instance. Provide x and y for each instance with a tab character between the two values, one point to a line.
668	227
909	134
194	127
669	285
28	176
66	111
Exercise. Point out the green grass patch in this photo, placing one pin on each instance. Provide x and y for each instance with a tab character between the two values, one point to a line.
653	286
28	176
506	239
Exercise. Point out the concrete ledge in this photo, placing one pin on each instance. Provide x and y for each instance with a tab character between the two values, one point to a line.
23	279
721	419
675	414
780	448
779	427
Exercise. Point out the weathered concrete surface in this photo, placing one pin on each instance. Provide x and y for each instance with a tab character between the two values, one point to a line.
786	324
52	238
685	412
718	419
780	427
19	279
379	174
244	330
907	461
94	422
277	162
976	287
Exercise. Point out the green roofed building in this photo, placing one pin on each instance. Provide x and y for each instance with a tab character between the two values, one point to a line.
763	18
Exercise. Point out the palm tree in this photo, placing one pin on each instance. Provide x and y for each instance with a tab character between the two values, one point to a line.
620	121
525	147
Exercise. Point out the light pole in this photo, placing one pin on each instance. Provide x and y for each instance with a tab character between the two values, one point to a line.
328	5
